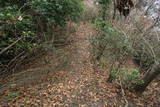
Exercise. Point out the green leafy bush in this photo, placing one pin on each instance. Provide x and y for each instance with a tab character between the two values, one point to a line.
110	42
24	22
59	11
104	7
111	45
128	78
12	29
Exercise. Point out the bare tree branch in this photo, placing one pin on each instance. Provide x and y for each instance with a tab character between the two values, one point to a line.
5	49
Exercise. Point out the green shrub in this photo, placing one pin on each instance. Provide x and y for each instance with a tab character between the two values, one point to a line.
110	42
28	21
59	11
11	96
104	7
113	47
129	78
11	29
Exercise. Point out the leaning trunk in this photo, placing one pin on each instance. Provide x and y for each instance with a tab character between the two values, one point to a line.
148	78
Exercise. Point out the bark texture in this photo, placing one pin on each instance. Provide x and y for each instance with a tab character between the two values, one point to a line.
148	78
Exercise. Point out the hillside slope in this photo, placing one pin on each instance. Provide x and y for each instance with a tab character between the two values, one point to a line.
69	79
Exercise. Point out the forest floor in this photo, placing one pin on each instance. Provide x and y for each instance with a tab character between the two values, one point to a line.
69	79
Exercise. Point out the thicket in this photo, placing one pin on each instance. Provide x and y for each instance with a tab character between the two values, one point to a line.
27	24
144	36
111	50
138	42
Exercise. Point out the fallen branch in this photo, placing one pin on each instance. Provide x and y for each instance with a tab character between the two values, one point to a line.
9	64
5	49
123	94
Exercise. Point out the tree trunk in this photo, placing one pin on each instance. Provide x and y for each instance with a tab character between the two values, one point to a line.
148	78
114	12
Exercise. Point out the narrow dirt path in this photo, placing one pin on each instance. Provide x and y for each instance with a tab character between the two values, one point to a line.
68	81
78	85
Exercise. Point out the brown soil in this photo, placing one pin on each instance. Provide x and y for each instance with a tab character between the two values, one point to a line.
69	79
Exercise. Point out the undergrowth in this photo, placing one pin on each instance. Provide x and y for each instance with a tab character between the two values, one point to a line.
28	25
111	49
